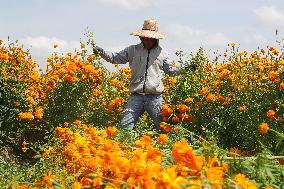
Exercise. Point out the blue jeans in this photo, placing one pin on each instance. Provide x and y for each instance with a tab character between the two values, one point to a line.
137	105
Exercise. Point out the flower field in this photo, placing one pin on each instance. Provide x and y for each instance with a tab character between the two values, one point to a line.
223	123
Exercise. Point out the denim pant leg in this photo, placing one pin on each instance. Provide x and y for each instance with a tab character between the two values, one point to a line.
134	109
153	107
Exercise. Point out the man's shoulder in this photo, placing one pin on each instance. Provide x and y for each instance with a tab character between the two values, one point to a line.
162	52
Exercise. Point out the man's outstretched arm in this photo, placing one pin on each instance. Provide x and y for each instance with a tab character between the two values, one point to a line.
121	57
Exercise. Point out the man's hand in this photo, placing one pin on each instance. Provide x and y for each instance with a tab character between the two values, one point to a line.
98	50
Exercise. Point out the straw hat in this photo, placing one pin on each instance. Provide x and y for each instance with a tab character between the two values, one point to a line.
150	30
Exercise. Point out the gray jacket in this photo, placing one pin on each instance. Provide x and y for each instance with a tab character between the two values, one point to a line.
147	67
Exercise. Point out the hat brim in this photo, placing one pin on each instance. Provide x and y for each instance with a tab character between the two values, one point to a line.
149	34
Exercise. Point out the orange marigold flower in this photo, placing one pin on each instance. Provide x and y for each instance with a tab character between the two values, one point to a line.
184	155
220	97
46	181
111	131
165	127
123	164
188	100
223	74
273	74
210	98
144	141
77	122
175	119
281	86
162	139
271	114
263	128
204	91
243	108
182	108
187	118
154	154
235	151
166	110
268	187
199	104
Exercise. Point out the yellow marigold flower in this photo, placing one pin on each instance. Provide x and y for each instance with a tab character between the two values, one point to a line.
23	186
76	185
26	116
38	113
49	59
242	181
215	175
263	128
281	62
46	152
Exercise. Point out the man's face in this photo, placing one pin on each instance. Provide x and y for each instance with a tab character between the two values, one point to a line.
148	42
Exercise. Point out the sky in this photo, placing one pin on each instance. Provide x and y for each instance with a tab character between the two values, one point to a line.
188	24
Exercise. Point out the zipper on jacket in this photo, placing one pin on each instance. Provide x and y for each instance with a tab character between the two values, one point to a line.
146	72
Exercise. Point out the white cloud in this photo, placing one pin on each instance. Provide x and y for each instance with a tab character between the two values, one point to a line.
270	16
189	37
259	39
128	4
41	47
46	44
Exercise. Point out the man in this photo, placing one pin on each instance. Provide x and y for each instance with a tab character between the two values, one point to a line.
148	61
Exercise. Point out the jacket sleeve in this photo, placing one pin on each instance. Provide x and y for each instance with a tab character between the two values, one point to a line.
121	57
169	67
